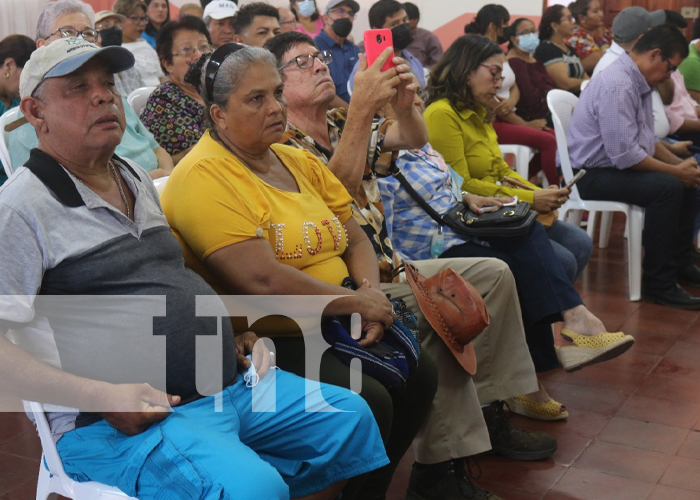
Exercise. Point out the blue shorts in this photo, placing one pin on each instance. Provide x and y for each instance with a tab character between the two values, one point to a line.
198	453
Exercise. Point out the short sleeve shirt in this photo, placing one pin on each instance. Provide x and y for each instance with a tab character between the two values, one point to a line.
175	119
368	210
212	200
344	60
586	43
549	53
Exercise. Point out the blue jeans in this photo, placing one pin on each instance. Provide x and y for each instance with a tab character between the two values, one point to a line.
573	247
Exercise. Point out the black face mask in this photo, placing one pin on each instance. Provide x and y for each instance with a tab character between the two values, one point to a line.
111	36
402	36
501	39
342	27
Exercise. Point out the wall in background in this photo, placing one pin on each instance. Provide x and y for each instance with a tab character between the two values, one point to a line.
445	17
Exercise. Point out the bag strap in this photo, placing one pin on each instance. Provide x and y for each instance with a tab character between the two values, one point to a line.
419	199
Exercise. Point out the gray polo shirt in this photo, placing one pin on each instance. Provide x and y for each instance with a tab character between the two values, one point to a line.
89	291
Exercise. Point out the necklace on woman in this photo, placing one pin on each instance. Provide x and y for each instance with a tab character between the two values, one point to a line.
119	185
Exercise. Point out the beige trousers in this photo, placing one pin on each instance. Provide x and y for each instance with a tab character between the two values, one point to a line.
455	426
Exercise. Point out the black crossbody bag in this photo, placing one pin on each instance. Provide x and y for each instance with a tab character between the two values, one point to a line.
504	222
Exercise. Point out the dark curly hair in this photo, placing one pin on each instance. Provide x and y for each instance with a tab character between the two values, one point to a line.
450	77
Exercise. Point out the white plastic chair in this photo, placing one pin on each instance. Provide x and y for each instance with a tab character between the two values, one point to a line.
138	98
562	104
55	481
160	184
7	117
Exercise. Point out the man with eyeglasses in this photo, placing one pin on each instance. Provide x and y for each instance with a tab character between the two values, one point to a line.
612	136
338	21
287	20
138	144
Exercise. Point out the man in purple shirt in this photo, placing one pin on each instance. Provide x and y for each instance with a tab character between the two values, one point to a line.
612	136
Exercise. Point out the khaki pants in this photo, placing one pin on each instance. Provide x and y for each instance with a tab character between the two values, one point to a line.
455	426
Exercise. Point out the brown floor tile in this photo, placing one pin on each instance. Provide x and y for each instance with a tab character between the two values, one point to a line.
530	477
26	491
25	445
579	484
569	447
668	493
691	447
13	424
514	493
671	389
683	473
624	461
589	398
16	471
653	343
679	414
606	376
680	361
644	435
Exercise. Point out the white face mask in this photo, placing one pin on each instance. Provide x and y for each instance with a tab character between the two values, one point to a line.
306	8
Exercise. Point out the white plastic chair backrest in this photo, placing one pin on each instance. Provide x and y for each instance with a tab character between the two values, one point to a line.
561	104
8	117
160	184
138	98
49	447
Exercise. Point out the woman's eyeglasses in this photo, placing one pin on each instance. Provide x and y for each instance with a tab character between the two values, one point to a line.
189	51
496	72
306	61
139	20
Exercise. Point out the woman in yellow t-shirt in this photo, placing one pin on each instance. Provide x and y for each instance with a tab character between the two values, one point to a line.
462	85
256	217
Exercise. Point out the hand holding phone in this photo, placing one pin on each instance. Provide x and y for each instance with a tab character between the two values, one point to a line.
576	178
376	41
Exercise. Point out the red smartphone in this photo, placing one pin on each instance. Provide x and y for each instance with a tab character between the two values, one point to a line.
375	43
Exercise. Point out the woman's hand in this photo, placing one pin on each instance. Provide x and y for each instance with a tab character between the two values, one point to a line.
249	343
502	107
476	202
376	311
546	200
540	124
405	96
679	148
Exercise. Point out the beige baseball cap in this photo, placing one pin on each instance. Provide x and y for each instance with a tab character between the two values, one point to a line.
66	55
104	14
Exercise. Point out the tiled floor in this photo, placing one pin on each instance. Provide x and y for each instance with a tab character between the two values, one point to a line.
633	431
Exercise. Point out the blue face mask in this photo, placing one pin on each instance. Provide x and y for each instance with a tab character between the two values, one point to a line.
529	42
306	8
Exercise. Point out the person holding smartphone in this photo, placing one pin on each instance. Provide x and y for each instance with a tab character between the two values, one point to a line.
459	122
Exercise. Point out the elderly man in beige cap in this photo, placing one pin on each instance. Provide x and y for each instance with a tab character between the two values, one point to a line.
218	16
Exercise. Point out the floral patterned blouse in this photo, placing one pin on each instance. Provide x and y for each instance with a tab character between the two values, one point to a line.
585	43
174	118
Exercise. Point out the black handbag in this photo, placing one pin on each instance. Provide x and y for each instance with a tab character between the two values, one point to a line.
504	222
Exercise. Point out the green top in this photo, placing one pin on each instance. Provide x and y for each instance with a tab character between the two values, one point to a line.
690	69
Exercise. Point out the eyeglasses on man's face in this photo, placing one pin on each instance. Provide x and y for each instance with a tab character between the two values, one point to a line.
189	51
496	72
306	61
340	12
89	35
138	20
670	67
